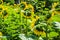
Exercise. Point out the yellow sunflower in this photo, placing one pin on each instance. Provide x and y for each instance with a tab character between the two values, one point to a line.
28	11
36	31
3	11
28	15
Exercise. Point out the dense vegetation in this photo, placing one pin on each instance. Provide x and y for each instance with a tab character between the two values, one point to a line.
30	20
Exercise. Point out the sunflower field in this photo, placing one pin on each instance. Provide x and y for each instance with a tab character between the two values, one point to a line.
29	19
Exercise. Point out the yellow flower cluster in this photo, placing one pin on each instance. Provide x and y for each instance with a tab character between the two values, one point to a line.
35	31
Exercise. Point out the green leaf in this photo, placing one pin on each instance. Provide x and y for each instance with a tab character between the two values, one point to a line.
4	38
56	18
52	34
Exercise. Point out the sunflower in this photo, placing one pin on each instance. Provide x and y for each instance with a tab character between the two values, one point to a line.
28	12
3	11
38	31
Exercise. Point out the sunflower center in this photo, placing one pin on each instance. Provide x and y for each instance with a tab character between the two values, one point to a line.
39	29
27	12
22	6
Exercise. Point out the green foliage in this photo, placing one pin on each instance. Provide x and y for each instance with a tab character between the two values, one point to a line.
13	20
52	34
